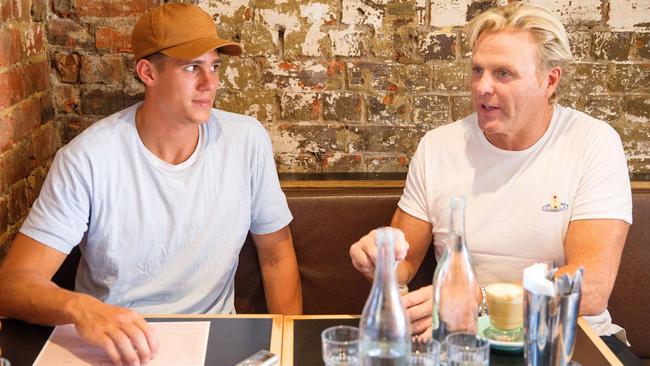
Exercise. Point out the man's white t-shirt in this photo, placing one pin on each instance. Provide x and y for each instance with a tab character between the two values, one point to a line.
519	203
161	238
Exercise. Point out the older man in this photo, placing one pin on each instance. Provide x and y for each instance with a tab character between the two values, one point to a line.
167	191
543	182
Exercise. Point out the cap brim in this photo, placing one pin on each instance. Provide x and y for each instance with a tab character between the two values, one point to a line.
198	47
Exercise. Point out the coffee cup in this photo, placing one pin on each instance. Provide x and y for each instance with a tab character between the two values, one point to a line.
505	305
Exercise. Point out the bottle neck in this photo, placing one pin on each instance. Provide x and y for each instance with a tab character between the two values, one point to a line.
385	261
457	221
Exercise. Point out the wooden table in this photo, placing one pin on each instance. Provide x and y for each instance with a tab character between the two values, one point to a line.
301	343
295	338
232	337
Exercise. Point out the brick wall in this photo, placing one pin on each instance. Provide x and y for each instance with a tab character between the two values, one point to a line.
351	85
29	135
341	85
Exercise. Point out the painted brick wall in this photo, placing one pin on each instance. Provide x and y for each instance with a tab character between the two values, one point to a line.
29	135
351	85
341	85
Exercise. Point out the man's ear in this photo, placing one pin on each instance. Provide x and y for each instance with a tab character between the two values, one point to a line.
553	80
147	71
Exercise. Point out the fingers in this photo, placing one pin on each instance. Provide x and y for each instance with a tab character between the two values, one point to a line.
421	325
363	255
401	245
147	332
124	335
109	346
419	305
424	336
124	345
417	297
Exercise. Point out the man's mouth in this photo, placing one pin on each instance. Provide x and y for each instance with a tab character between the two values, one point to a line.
488	107
203	102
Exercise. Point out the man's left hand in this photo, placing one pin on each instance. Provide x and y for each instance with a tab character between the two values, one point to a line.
419	306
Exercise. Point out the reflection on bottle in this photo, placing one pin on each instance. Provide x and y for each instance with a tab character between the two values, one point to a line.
456	291
385	329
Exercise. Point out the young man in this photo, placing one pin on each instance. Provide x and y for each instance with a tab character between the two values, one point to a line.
167	191
542	182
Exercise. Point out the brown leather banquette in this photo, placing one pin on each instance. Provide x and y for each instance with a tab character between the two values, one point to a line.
328	218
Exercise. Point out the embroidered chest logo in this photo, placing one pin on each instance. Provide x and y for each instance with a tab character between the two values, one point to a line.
555	205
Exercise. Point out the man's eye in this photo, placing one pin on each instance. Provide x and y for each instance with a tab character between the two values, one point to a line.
477	71
503	74
190	68
215	67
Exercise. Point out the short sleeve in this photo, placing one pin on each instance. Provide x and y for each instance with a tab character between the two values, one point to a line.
414	199
604	188
59	216
270	211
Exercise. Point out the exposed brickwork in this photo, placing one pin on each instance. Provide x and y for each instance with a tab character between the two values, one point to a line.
341	85
29	137
109	39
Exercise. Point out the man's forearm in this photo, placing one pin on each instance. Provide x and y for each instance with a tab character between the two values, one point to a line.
595	292
25	295
282	287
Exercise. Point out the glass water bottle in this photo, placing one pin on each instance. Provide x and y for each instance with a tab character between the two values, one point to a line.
456	291
385	333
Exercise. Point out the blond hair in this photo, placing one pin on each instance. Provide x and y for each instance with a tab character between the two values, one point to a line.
544	27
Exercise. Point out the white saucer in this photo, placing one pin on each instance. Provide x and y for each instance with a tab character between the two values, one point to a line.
484	323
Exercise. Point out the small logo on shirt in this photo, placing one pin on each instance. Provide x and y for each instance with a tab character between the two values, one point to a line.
555	205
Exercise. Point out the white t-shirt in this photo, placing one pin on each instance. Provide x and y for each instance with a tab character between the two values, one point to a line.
162	238
518	203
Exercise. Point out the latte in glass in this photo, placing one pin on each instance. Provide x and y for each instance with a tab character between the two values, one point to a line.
505	302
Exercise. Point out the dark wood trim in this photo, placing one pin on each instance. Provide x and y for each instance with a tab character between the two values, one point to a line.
377	186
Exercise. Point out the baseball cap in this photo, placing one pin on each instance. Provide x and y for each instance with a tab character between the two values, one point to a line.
183	31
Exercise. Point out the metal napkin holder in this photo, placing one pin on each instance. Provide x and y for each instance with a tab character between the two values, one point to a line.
550	321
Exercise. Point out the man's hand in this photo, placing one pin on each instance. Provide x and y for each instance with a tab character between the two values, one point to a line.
122	333
419	306
364	252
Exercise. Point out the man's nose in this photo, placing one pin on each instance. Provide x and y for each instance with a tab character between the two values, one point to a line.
484	84
209	80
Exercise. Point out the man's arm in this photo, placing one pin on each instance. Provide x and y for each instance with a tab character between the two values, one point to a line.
597	246
417	235
27	293
280	272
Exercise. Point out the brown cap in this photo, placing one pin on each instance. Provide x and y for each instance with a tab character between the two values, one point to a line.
178	30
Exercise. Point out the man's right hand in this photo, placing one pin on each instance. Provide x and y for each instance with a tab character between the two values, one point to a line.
364	252
122	333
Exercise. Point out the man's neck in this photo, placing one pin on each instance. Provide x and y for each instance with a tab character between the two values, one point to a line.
173	143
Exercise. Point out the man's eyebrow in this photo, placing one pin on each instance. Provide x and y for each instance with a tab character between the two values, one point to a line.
201	62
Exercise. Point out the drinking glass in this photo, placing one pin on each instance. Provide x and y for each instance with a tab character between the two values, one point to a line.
424	351
341	346
467	349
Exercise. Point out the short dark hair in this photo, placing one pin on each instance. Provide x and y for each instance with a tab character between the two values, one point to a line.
158	59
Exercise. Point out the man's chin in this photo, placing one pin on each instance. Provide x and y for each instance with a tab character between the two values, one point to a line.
490	126
201	118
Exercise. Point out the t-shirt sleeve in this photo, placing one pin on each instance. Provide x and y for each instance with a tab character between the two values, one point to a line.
59	216
270	211
414	199
604	188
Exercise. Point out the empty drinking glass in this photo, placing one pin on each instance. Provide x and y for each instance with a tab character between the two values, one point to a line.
341	346
424	351
467	349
